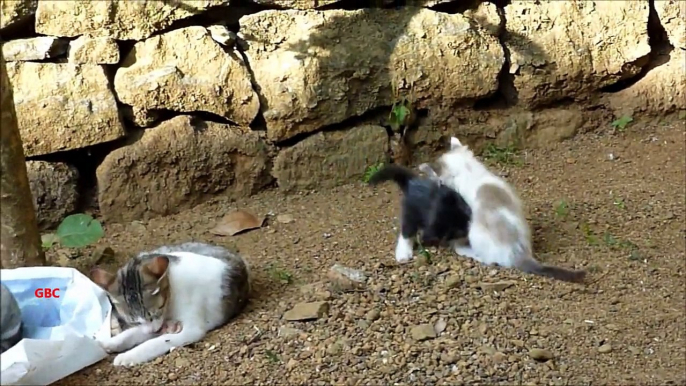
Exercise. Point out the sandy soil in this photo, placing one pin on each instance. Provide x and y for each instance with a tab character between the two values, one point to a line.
621	218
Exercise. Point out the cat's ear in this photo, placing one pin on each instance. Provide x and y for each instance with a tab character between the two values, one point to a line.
157	266
455	143
101	277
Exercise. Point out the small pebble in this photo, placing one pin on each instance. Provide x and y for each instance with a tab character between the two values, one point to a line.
541	355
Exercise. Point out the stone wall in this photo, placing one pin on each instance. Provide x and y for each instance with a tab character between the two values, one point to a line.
165	104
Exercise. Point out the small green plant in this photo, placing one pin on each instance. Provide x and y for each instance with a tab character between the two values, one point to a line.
562	209
401	115
621	123
75	231
371	170
422	251
589	235
281	275
619	203
271	356
609	240
616	243
502	155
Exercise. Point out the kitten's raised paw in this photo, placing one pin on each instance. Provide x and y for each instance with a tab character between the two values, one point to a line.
127	359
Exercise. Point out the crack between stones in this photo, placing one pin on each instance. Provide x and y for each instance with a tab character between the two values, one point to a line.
660	50
506	95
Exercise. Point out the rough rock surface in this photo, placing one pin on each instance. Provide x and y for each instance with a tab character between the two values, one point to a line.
663	89
319	68
541	129
99	50
567	49
177	165
63	106
186	70
14	11
38	48
328	159
122	20
54	190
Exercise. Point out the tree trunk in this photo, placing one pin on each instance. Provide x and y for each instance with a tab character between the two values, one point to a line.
20	243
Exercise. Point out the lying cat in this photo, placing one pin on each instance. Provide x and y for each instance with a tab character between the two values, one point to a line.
171	297
499	233
435	210
11	325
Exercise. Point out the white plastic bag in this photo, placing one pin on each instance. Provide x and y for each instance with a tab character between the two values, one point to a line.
59	333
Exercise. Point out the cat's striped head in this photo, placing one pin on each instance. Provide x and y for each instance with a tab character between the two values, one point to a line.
139	292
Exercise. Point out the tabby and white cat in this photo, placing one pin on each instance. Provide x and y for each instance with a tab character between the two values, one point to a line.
11	325
171	297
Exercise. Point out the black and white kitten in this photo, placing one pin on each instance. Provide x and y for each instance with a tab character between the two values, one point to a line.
436	211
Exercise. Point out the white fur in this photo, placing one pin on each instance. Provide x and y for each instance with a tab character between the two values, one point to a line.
195	301
464	173
403	250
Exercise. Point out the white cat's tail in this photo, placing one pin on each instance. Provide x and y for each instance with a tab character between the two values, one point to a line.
530	265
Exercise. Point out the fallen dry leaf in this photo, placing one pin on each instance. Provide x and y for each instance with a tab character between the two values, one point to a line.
236	222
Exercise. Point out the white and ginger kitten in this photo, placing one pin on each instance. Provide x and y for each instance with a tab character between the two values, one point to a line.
498	233
172	297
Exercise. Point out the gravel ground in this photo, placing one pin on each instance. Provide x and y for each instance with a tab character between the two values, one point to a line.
621	218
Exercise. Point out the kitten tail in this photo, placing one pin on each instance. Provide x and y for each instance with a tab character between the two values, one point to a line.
569	275
396	173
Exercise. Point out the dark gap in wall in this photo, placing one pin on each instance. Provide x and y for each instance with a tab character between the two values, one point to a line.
125	48
353	5
506	95
453	7
162	115
501	4
86	161
22	29
259	123
375	116
660	50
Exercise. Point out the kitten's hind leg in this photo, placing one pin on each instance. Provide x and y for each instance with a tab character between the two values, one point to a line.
403	249
405	245
158	346
466	251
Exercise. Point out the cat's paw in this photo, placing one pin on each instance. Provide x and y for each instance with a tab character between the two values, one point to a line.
112	345
403	256
128	359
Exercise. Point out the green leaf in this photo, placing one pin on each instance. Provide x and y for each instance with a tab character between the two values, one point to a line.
79	230
622	122
401	113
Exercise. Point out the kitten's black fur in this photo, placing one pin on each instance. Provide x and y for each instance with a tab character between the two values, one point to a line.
437	211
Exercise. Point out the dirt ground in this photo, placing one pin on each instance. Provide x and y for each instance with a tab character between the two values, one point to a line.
612	203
